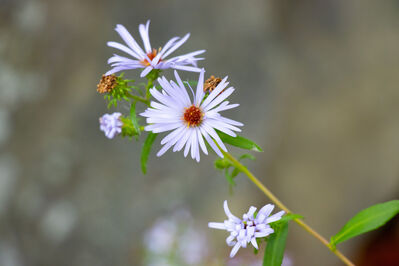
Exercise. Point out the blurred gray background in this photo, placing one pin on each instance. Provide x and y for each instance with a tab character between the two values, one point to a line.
317	81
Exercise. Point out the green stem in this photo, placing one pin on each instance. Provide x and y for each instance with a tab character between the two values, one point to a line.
138	98
151	77
148	87
276	201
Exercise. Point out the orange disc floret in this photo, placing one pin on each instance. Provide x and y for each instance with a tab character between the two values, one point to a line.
193	116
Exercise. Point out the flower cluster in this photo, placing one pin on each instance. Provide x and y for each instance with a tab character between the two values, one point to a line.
193	122
249	228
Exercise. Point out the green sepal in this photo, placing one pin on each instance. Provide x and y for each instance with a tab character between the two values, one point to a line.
153	75
128	129
222	163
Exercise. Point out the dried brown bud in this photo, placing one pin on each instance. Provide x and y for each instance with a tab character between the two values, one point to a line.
211	83
107	84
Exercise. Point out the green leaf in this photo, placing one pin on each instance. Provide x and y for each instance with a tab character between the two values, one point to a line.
247	156
133	117
366	220
238	141
235	172
145	152
288	217
275	247
229	178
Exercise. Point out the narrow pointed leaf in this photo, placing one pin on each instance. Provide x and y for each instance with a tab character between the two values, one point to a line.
229	178
275	247
145	152
247	156
367	220
133	117
235	172
239	142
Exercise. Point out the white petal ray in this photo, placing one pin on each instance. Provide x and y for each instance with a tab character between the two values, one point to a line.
158	128
230	240
172	91
266	210
275	217
164	49
227	107
214	135
143	29
199	94
194	144
129	40
235	249
264	233
186	68
228	212
180	144
211	142
218	123
251	211
180	86
219	88
164	149
188	144
178	134
165	99
254	243
161	120
201	141
221	127
172	135
176	45
146	71
189	55
219	99
123	48
217	226
229	121
117	69
120	59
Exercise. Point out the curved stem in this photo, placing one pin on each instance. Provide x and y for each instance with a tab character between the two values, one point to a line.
138	98
276	201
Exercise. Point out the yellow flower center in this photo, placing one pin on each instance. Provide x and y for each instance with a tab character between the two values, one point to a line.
151	56
193	116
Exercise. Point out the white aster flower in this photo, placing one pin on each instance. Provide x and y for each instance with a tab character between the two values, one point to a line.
246	230
190	120
111	124
150	58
